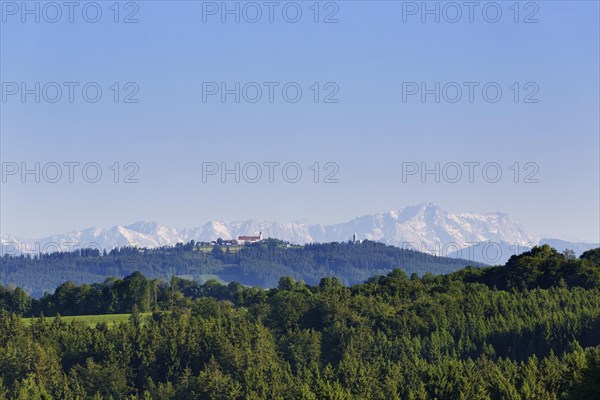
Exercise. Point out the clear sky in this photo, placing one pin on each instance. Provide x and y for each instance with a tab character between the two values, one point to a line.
367	118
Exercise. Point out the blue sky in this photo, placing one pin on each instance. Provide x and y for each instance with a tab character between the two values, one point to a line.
368	133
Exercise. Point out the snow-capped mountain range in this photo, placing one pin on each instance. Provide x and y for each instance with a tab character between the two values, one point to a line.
425	227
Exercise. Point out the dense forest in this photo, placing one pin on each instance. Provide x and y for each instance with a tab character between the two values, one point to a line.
526	330
256	264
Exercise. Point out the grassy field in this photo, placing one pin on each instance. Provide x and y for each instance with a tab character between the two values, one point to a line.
92	320
202	278
232	249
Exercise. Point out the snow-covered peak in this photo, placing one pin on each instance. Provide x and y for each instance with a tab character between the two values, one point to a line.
424	225
143	227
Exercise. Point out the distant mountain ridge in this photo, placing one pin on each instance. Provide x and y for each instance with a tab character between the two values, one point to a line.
425	227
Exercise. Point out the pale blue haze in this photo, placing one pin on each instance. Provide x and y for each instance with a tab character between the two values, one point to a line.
369	133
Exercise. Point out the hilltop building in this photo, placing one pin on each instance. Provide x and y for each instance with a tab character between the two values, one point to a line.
250	239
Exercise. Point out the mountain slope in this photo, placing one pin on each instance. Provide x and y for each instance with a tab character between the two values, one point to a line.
425	227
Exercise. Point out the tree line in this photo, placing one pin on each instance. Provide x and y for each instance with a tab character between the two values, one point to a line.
527	330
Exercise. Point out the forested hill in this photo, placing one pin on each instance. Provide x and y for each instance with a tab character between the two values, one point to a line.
257	264
445	337
540	268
